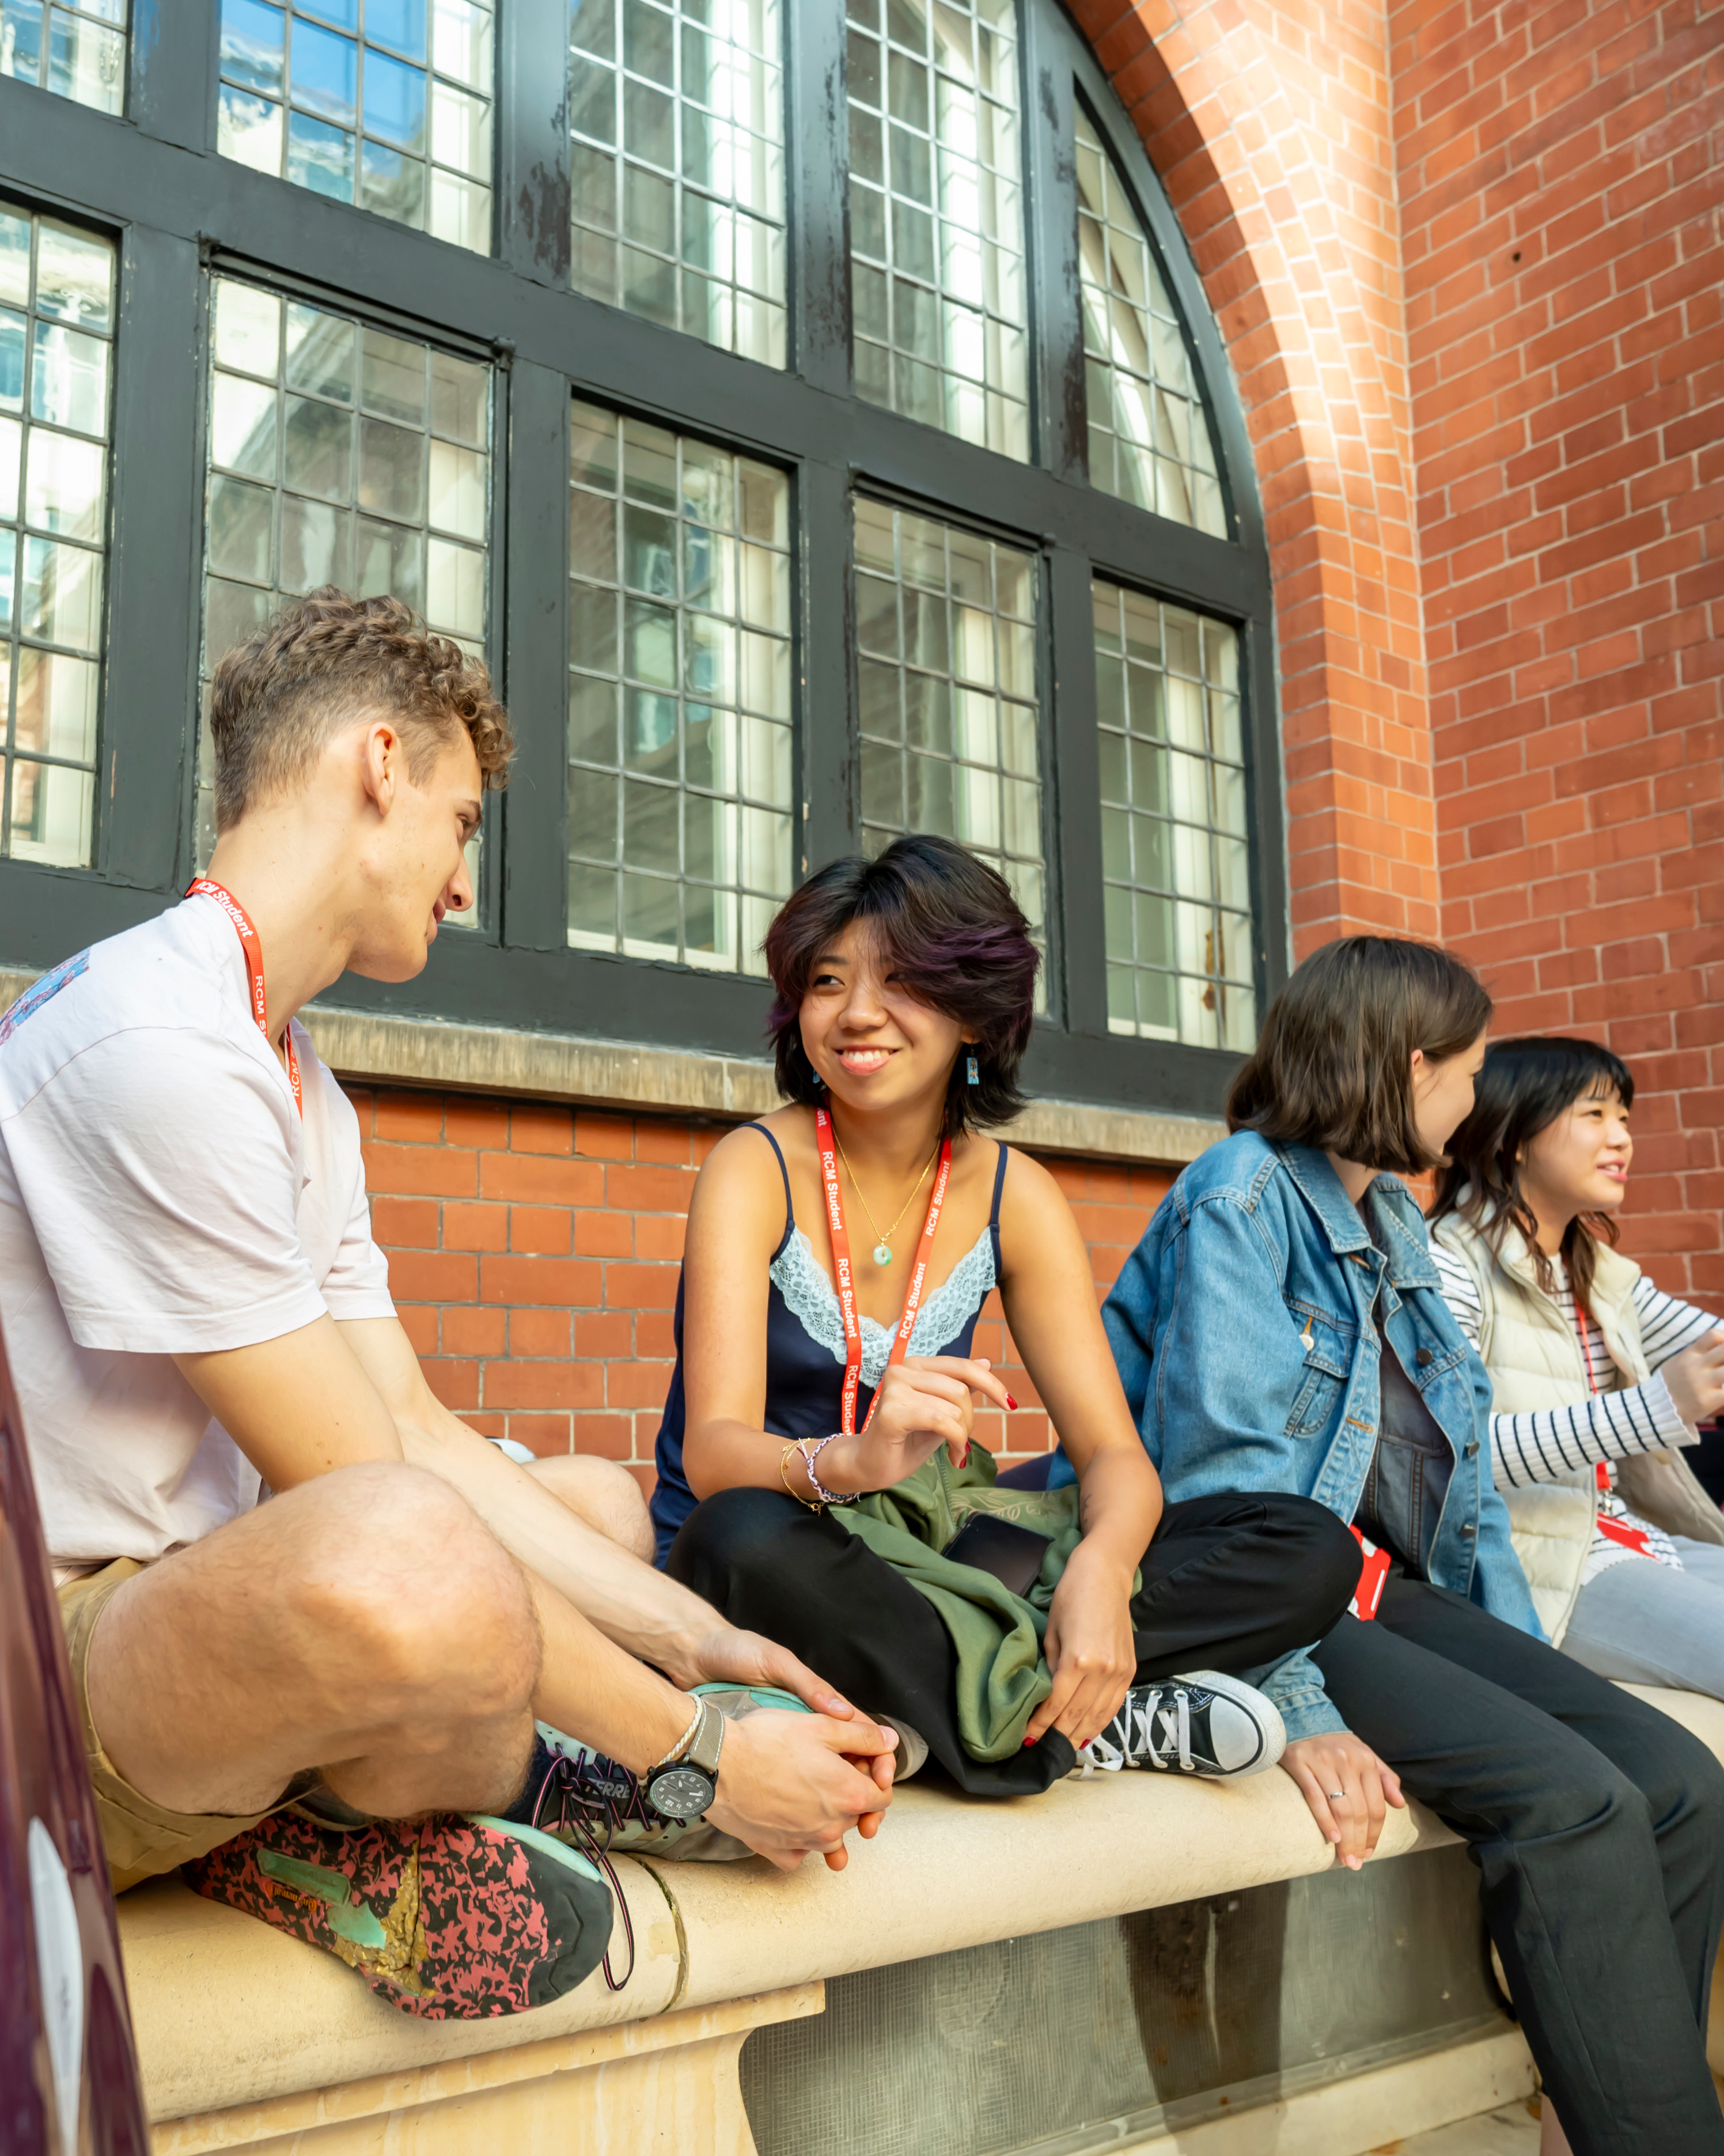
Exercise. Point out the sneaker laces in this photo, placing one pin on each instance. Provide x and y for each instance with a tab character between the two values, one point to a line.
1140	1742
585	1789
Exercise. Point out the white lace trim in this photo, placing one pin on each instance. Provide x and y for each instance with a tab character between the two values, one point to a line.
799	1277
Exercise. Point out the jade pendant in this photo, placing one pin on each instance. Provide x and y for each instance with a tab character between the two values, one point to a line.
882	1254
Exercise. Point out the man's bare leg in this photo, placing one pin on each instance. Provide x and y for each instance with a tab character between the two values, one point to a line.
366	1623
605	1496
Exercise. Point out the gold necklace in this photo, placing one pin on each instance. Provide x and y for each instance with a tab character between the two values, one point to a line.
882	1252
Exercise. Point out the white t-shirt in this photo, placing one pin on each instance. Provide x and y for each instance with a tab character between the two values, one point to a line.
160	1195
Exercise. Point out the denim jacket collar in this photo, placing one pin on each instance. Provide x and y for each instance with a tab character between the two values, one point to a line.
1401	1244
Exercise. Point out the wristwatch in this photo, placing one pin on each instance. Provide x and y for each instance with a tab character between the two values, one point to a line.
684	1788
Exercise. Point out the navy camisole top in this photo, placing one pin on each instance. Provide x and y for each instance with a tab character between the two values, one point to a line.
805	1346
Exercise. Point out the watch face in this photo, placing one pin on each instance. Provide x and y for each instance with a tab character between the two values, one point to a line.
682	1793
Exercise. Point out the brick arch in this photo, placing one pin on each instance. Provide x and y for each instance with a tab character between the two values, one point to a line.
1268	123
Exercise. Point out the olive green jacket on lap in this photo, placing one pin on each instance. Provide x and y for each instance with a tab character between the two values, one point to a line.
1001	1676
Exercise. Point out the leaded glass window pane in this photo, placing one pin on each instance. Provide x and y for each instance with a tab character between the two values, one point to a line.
946	678
679	740
936	216
339	453
1175	837
56	372
75	48
384	103
1149	434
676	112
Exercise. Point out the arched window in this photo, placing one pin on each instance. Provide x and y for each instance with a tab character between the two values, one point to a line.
812	411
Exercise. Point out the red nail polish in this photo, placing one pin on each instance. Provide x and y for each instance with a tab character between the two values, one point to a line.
1010	1402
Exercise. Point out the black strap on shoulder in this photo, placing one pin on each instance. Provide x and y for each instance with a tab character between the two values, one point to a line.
789	1208
999	1184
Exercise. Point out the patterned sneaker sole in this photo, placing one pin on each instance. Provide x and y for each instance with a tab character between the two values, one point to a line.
451	1919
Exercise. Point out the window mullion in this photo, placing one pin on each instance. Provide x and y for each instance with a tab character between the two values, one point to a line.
173	69
534	636
533	152
1052	234
819	173
1077	791
148	726
827	722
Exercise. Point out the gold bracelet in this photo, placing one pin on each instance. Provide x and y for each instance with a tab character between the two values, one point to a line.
784	1477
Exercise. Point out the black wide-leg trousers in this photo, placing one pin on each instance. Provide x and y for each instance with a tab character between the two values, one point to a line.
1598	1826
1228	1582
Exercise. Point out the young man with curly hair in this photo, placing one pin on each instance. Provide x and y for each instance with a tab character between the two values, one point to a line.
322	1704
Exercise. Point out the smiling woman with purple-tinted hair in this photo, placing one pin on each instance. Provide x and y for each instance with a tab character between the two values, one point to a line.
817	1466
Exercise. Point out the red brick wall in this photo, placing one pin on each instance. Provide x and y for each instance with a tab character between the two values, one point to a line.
1560	190
533	1254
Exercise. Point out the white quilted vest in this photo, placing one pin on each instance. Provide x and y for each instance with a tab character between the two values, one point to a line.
1534	1358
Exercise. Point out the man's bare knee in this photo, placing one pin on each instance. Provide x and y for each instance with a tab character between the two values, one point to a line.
604	1495
419	1593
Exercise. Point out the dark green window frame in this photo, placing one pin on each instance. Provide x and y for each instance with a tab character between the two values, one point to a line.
153	179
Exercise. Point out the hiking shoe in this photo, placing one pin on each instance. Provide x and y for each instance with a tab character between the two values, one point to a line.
1197	1723
448	1917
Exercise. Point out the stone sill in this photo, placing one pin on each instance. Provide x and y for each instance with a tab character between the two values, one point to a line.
372	1049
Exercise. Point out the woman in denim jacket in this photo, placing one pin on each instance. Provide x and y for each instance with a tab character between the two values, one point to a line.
1280	1326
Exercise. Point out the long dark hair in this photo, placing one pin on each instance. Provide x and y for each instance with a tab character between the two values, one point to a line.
959	942
1333	1068
1523	1088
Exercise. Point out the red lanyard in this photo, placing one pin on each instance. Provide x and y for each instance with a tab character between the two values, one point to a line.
1601	1473
252	947
846	1283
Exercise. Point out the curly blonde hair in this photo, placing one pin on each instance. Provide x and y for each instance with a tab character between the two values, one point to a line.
280	698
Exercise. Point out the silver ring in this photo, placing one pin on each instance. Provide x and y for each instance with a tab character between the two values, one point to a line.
1333	1794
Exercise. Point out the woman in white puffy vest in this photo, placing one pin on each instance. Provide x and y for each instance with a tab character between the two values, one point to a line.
1598	1378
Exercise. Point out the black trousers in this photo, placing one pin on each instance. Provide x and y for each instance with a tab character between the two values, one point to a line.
1597	1823
1230	1583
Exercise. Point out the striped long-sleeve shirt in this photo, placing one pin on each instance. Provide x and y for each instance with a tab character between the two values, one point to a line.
1617	1421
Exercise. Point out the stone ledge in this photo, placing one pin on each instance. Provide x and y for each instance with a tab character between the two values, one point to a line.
373	1049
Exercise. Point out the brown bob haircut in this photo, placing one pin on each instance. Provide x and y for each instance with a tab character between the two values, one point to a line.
279	699
1333	1068
958	942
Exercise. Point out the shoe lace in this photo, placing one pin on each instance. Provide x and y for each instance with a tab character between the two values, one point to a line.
585	1794
1147	1728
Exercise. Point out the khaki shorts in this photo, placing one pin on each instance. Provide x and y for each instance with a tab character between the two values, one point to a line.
142	1839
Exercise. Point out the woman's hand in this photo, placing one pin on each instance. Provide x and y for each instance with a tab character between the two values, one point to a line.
1338	1762
1088	1647
1696	1380
926	1401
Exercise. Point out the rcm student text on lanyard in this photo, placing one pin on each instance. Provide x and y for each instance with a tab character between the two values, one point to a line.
252	944
846	1282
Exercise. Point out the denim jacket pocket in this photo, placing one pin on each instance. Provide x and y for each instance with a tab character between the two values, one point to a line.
1328	1365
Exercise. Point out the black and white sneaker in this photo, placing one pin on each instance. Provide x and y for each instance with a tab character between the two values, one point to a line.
1197	1723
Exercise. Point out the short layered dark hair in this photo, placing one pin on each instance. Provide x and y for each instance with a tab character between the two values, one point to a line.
1525	1086
280	698
1333	1067
958	942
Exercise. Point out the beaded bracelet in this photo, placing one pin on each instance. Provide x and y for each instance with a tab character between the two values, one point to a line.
827	1497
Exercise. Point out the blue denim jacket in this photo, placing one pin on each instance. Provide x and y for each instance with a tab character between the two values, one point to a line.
1243	1331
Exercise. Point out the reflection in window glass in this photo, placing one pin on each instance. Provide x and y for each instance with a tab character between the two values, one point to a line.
75	48
1149	434
680	766
56	351
677	165
936	215
338	454
946	671
385	103
1176	855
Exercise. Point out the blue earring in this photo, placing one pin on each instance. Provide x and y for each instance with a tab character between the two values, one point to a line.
973	1075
